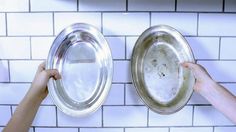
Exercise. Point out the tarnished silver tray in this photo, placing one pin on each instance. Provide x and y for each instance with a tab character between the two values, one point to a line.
82	56
161	82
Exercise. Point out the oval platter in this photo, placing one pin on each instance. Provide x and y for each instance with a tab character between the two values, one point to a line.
83	58
160	80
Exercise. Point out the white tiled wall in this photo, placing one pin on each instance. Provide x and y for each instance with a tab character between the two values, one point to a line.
28	28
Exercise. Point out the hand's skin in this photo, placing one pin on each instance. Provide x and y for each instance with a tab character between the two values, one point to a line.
216	94
26	110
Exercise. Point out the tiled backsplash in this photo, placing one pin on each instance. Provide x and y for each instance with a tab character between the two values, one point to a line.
28	27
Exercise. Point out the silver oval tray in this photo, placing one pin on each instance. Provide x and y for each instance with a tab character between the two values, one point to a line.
163	85
83	58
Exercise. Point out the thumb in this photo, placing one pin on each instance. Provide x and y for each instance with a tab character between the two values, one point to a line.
52	73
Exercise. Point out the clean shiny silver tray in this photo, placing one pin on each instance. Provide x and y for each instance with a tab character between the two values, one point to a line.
161	82
82	56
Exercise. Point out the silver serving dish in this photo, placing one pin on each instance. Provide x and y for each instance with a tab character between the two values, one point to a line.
163	85
82	56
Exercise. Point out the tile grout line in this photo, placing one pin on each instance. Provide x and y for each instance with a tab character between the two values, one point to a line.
77	5
219	49
150	19
102	22
206	12
56	116
9	73
141	105
6	24
11	110
53	23
126	6
148	110
30	44
193	115
125	127
197	23
223	6
29	5
125	88
126	48
102	116
175	5
113	36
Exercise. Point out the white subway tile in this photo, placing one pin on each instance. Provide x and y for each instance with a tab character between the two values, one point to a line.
225	129
2	24
102	5
63	20
231	87
101	130
125	23
209	116
48	101
132	97
198	5
31	130
197	99
16	91
130	42
121	71
29	24
4	77
146	130
117	45
14	5
93	120
191	129
180	118
56	129
151	5
53	5
124	116
204	47
45	116
230	6
23	71
186	23
217	24
13	93
221	71
40	47
5	115
116	95
227	48
14	48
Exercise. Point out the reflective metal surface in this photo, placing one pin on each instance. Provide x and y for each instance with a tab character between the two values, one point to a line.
83	58
160	81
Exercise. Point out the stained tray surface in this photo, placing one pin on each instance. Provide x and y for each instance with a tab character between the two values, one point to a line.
161	82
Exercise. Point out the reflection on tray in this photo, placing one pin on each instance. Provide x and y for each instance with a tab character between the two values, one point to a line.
82	61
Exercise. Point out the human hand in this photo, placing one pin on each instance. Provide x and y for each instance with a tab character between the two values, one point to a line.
39	84
203	79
